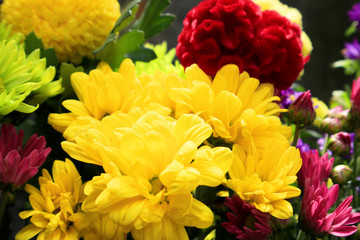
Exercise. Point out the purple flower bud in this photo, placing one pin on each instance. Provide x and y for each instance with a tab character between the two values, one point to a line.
301	111
341	174
352	50
340	143
354	13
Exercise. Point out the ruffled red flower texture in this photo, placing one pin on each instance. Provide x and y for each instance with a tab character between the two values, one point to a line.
262	43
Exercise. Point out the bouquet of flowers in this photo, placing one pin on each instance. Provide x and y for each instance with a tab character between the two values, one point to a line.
220	143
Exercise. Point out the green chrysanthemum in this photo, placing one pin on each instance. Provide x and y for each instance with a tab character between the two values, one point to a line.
163	62
25	81
5	33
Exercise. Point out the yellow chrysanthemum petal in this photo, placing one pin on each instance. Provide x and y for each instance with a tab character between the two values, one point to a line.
264	180
321	110
194	213
55	213
149	162
28	232
238	107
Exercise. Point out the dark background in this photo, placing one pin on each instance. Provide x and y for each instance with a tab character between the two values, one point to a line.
323	20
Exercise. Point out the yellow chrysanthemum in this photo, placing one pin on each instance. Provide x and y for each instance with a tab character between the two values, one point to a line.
321	110
56	212
264	181
290	13
105	92
74	28
86	144
100	227
149	176
101	92
237	107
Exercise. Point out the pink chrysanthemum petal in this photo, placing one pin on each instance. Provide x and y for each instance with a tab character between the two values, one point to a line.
18	164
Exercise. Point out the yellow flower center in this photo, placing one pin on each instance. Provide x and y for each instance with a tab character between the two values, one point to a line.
156	185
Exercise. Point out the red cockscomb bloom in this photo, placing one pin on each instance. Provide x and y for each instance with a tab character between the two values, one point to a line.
279	50
246	222
17	163
314	215
264	44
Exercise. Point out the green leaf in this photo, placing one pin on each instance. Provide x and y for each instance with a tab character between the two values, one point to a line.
310	134
32	43
152	20
159	25
350	66
49	54
66	69
142	54
351	29
127	16
114	53
341	98
110	38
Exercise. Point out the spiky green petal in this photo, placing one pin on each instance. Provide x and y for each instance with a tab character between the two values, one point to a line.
163	61
25	81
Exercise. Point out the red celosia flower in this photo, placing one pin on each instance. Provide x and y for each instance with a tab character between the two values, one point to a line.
278	50
314	215
315	168
17	163
301	111
246	222
265	44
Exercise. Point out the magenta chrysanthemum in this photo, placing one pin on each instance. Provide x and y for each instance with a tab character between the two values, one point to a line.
314	216
245	221
17	163
355	97
314	167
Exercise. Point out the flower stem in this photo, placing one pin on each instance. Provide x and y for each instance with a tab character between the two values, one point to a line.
296	135
303	235
4	199
355	167
326	143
